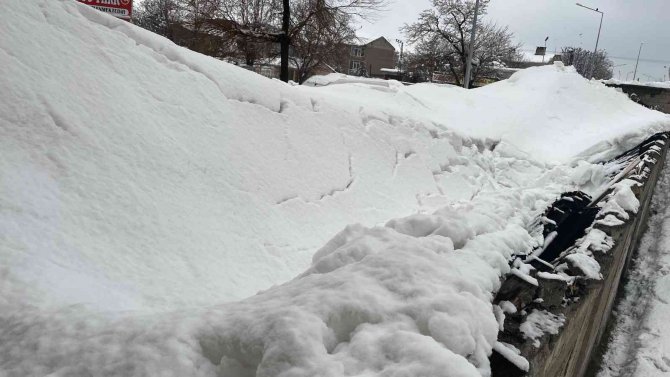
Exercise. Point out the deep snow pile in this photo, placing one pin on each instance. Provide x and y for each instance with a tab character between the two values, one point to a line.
548	114
145	188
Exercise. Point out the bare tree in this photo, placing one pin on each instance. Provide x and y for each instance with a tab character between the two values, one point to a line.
314	30
181	21
250	26
583	60
443	33
269	21
422	63
321	41
194	15
158	16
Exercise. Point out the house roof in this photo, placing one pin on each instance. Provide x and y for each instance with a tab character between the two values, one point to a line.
363	41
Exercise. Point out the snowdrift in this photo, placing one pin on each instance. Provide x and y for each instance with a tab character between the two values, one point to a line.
548	114
148	193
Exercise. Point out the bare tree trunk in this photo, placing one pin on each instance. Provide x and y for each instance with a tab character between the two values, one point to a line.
284	41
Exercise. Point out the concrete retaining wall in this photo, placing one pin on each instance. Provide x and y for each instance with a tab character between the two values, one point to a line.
649	96
572	352
587	303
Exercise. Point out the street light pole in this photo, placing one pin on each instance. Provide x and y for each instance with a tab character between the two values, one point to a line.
595	51
402	44
638	60
619	65
468	64
545	48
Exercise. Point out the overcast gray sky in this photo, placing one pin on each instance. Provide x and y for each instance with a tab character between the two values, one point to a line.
626	23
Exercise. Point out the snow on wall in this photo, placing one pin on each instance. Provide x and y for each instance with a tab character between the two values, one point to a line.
540	322
639	339
653	84
145	190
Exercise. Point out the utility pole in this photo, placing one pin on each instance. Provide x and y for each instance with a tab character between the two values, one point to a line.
637	61
400	59
468	64
545	48
595	51
619	65
284	41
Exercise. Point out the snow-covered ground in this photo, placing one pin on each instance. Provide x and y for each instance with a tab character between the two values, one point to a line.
164	213
640	342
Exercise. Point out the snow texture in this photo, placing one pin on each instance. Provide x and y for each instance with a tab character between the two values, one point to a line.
513	355
507	307
550	276
588	266
541	322
160	210
624	197
524	276
595	240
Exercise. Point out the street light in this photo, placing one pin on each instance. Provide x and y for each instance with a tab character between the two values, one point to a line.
468	63
400	60
619	65
638	60
545	48
595	51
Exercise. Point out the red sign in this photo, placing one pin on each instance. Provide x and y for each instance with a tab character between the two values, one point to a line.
117	8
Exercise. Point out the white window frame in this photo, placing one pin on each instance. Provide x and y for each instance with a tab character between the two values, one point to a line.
355	66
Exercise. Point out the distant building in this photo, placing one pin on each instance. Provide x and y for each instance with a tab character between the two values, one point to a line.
368	57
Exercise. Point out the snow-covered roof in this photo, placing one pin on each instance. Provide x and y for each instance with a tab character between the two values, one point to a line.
362	41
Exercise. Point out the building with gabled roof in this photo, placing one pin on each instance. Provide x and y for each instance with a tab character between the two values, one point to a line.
367	57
